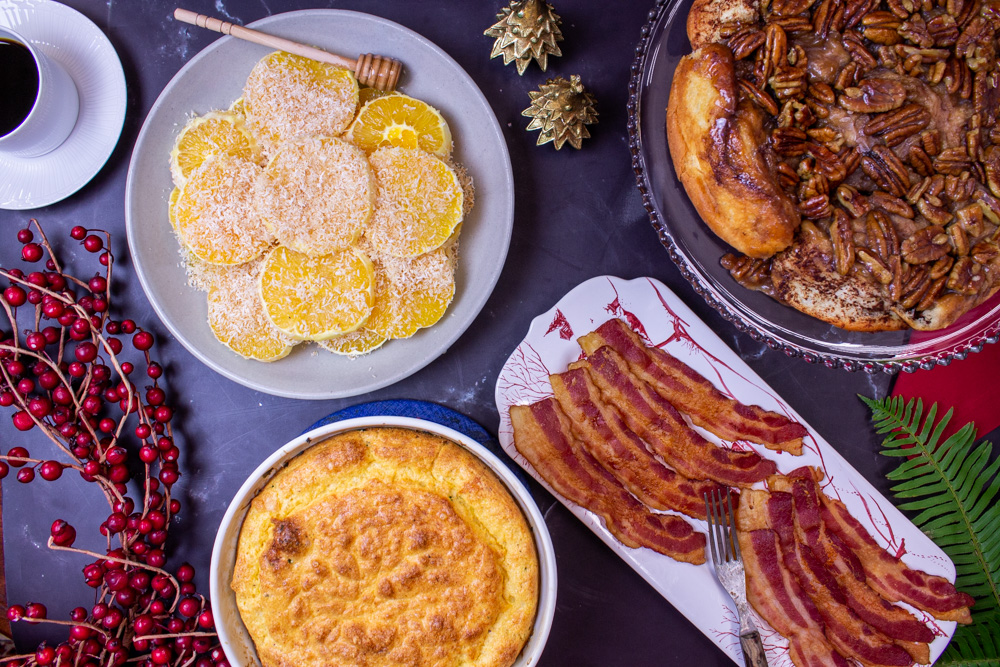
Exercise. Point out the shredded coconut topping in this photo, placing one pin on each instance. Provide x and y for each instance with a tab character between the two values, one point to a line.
215	214
317	195
287	96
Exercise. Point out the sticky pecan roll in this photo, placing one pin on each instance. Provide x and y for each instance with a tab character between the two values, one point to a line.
848	150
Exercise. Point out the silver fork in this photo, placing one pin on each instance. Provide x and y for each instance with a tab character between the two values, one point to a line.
728	562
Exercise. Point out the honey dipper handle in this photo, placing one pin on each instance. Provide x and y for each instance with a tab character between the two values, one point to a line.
375	71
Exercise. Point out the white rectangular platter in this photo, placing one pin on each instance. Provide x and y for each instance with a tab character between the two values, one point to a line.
660	317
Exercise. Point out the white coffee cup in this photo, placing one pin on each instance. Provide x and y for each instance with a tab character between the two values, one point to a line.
54	114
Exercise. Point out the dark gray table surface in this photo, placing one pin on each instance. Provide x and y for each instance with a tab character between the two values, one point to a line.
578	215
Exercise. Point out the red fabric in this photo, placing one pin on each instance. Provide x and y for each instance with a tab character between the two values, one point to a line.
968	385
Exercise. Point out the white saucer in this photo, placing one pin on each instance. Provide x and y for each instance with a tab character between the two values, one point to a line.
66	35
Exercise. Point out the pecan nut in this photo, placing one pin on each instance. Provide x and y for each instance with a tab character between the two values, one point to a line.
842	237
952	161
873	96
881	235
927	245
966	277
895	126
891	204
882	166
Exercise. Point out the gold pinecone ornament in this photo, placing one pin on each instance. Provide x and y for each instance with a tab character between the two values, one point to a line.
526	30
561	109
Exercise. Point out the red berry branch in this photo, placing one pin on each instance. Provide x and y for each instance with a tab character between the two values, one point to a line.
64	370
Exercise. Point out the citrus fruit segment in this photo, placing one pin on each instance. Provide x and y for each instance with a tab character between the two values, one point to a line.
400	120
214	212
171	204
317	195
287	96
316	297
215	132
418	291
419	202
354	344
236	316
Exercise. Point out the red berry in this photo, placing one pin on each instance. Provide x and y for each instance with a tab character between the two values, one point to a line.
163	414
50	470
35	341
40	407
15	295
155	370
17	456
25	475
62	533
25	235
35	610
93	243
189	607
143	340
23	421
78	233
97	284
205	620
85	352
45	655
15	612
4	469
31	252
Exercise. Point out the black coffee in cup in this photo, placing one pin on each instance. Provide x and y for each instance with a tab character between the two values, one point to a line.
18	84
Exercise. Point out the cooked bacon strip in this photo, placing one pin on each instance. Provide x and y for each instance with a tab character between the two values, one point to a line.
542	434
777	597
893	621
694	395
603	433
889	576
657	422
843	628
810	649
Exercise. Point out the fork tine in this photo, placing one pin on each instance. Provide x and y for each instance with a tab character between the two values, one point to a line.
732	523
711	526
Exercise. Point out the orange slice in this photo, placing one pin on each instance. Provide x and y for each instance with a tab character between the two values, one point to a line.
236	316
171	204
358	342
403	121
215	215
419	291
215	132
288	96
317	195
419	202
319	297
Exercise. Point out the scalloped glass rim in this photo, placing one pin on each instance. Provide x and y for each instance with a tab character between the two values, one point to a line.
696	251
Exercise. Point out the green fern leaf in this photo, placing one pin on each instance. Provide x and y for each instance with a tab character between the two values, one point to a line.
952	488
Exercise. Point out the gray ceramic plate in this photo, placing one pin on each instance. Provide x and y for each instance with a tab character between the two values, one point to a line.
212	80
696	250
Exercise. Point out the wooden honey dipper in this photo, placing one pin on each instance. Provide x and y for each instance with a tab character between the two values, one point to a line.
378	72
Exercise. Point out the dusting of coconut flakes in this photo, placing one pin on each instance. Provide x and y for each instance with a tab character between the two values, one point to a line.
468	187
215	215
419	202
317	195
287	96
